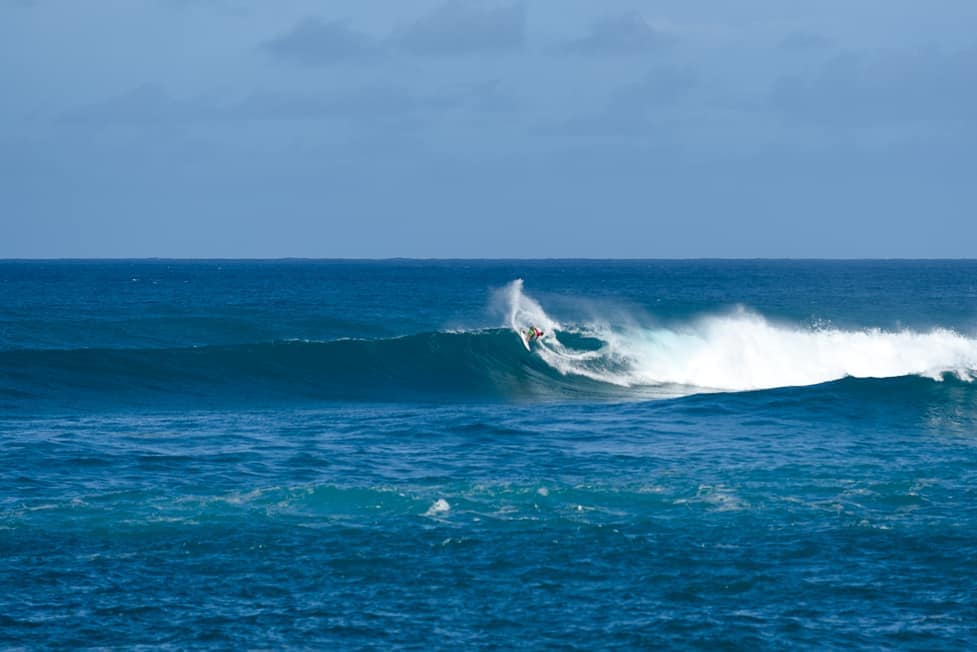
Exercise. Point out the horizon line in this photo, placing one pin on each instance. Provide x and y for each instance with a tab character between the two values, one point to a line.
472	259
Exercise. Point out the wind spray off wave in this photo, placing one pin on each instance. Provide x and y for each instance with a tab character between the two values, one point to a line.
741	351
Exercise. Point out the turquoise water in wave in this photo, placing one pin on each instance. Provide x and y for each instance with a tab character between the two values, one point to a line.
362	455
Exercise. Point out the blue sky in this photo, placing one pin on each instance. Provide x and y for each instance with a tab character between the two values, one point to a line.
541	128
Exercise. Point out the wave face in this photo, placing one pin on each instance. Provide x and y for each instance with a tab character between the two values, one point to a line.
588	359
489	365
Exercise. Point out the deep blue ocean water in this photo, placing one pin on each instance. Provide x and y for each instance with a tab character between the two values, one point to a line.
363	455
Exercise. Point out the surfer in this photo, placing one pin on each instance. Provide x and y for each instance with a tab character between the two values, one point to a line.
533	333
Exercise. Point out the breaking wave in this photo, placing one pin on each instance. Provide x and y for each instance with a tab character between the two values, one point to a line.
582	360
742	351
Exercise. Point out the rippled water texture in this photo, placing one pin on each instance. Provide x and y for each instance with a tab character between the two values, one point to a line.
352	455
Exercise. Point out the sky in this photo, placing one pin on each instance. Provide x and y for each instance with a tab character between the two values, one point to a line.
464	129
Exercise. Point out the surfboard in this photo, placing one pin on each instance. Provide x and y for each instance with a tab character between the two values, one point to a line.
525	340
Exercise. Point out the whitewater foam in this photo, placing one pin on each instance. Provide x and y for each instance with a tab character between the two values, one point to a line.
742	351
440	506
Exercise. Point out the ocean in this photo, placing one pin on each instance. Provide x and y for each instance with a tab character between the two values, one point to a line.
363	455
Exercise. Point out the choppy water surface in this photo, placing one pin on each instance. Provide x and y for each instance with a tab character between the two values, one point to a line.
363	455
